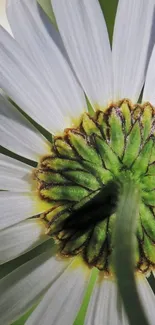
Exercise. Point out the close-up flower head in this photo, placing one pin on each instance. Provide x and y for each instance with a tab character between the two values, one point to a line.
77	164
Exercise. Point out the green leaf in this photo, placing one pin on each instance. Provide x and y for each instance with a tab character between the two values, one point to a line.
148	251
83	148
96	242
147	219
109	158
116	133
148	182
149	197
151	170
127	116
146	122
46	5
64	148
59	164
132	145
68	192
50	177
75	243
141	164
109	8
83	178
89	126
102	174
152	158
82	312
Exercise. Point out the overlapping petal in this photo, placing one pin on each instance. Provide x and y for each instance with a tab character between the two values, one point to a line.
30	32
62	301
18	206
85	36
132	46
106	304
20	238
18	135
22	288
22	81
14	175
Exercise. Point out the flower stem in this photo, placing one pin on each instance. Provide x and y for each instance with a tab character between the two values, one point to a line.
126	222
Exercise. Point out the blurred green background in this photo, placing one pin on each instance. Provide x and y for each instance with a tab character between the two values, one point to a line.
109	10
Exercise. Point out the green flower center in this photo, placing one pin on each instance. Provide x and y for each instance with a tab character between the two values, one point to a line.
81	177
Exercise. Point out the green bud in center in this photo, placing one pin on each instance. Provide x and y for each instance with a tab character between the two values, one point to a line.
81	179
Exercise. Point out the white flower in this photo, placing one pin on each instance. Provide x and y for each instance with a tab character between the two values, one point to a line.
47	78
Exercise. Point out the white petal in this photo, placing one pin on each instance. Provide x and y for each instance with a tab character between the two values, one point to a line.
24	286
3	17
31	34
20	238
52	31
149	89
25	84
62	301
105	306
14	175
15	207
148	299
17	133
132	46
85	36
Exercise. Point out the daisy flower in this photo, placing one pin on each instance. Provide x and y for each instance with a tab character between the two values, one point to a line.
54	77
